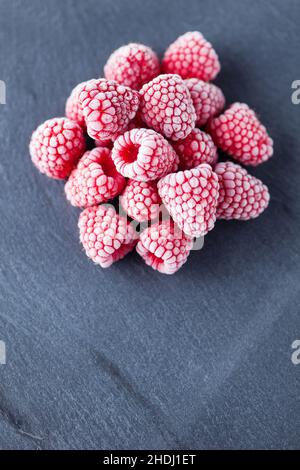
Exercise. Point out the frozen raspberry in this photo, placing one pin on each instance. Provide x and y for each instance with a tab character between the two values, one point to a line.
132	65
196	148
207	98
107	108
164	247
191	198
56	146
95	179
191	56
140	200
239	133
167	107
74	108
242	196
143	155
106	236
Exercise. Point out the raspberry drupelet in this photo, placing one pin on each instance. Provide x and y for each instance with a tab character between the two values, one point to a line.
167	107
239	133
207	98
132	65
144	155
191	197
94	180
198	147
140	200
242	196
106	236
164	247
191	56
56	146
107	108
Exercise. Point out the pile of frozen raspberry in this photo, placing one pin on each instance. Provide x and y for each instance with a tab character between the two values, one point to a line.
146	137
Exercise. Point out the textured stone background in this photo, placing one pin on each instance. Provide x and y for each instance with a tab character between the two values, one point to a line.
127	358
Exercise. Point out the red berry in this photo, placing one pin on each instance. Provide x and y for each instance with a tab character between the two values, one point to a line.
56	146
196	148
107	108
191	56
242	196
95	179
106	236
164	247
191	198
132	65
143	155
140	200
167	107
207	98
73	106
239	133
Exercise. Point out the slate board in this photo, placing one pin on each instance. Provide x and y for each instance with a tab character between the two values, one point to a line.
126	358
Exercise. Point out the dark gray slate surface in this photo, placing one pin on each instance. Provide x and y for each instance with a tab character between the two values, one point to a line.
125	357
